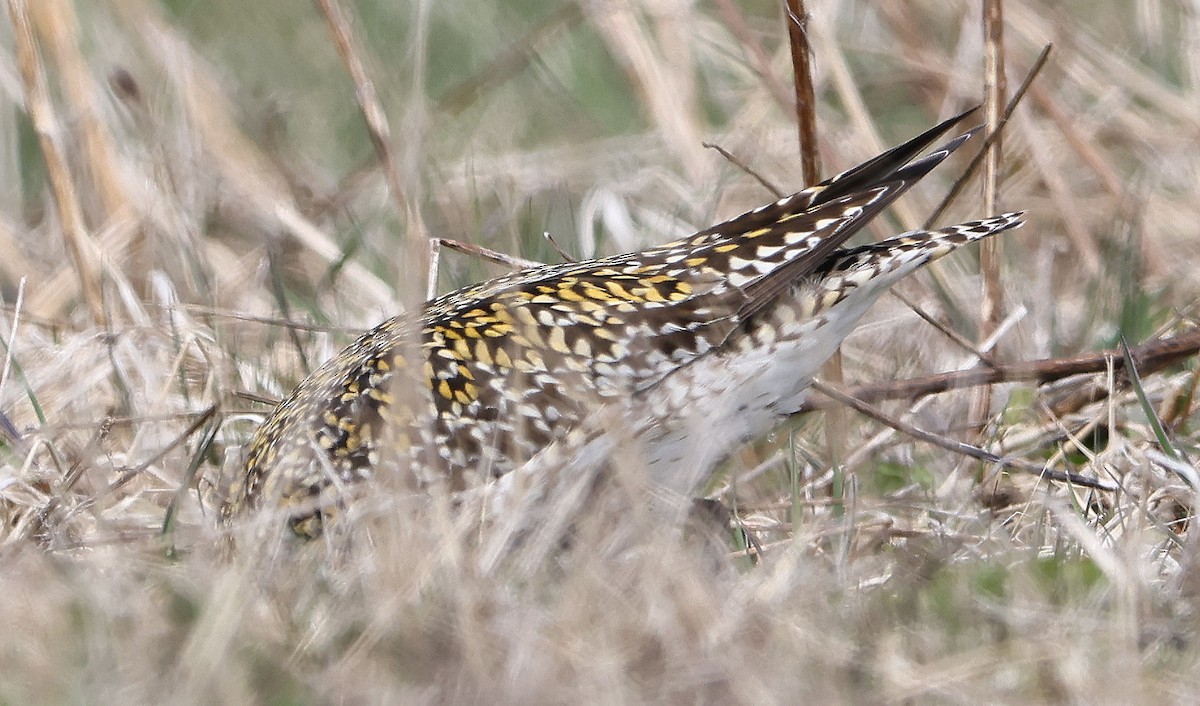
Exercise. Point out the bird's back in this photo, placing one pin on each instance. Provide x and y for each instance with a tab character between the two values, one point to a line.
698	343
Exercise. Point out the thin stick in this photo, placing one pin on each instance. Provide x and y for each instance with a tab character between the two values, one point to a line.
130	473
1150	356
996	86
956	337
518	263
956	446
992	136
806	113
558	248
745	168
46	125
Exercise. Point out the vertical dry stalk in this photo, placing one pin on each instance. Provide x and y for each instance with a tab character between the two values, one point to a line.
58	26
989	256
380	133
806	113
806	125
46	125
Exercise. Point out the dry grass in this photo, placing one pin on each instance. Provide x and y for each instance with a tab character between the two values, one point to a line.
187	183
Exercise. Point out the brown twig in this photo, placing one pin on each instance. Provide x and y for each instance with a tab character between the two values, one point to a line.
513	261
806	113
558	248
956	337
992	136
992	293
745	168
955	446
1150	356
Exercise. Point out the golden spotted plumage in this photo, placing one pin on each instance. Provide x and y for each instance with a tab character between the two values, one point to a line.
725	327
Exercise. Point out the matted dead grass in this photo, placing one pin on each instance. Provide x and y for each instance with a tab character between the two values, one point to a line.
194	217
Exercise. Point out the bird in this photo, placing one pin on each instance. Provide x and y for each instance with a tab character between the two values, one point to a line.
697	345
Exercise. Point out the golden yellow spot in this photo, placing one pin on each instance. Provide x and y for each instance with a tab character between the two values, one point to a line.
482	353
444	389
471	390
502	358
756	233
462	348
382	365
651	294
462	397
620	291
730	247
569	294
596	293
695	261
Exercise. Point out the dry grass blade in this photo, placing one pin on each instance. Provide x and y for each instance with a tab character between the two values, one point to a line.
377	128
49	133
992	292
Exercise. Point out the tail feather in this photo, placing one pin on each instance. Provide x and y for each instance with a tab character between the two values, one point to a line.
867	175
